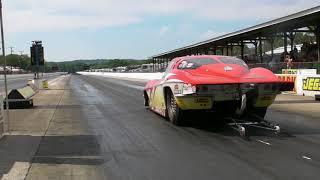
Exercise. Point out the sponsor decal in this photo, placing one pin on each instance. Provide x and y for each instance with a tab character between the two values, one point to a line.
201	100
176	89
228	68
311	84
289	71
287	77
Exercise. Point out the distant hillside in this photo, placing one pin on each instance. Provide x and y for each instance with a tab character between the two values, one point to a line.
70	66
79	65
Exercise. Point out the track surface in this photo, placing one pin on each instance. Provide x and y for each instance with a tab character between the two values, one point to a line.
138	144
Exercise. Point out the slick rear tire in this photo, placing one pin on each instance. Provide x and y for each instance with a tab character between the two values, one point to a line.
260	112
175	114
146	99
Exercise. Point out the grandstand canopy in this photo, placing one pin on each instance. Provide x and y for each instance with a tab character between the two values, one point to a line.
283	26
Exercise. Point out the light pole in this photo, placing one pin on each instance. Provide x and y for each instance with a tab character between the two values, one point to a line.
4	68
20	59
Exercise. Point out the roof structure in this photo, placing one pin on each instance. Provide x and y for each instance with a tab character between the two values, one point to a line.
306	18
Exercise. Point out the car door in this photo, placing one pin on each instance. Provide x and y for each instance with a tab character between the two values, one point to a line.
158	98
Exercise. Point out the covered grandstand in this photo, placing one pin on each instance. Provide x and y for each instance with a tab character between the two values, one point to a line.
234	44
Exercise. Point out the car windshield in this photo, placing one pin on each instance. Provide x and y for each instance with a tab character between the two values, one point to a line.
233	60
196	63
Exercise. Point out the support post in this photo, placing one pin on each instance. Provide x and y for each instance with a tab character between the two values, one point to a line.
256	50
260	50
167	62
231	50
6	127
272	43
318	41
157	64
291	40
227	50
242	49
285	36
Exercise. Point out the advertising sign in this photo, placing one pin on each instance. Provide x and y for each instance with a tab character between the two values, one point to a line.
308	85
303	82
299	71
289	71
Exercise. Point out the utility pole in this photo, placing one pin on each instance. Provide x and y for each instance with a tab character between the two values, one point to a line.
11	50
20	59
4	68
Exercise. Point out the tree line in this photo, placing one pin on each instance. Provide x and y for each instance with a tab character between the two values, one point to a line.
24	62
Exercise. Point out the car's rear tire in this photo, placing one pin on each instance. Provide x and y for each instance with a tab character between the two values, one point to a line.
146	99
175	114
248	111
260	112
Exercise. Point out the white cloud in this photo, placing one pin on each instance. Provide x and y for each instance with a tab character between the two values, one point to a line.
53	15
210	34
163	30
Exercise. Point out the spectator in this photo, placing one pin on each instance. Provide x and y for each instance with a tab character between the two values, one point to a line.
288	60
294	53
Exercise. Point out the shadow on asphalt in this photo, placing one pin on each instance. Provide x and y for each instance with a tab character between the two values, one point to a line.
76	150
57	107
212	123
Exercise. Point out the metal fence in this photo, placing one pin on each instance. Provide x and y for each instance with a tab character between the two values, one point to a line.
277	67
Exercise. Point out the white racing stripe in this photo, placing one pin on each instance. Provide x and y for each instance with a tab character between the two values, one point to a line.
306	157
264	142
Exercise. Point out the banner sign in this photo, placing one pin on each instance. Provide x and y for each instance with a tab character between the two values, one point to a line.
308	85
311	84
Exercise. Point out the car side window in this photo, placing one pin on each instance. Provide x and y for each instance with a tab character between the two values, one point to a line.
170	66
195	63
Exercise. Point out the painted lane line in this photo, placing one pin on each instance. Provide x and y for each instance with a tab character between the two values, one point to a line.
264	142
306	157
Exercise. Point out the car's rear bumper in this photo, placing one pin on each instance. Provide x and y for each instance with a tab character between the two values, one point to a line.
196	102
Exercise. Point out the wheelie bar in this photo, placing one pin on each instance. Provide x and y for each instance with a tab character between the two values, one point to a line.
238	125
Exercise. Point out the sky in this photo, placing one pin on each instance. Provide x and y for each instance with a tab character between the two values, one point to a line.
107	29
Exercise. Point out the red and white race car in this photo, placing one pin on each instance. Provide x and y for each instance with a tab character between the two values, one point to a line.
221	84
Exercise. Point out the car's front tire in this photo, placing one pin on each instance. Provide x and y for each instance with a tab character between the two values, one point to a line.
174	112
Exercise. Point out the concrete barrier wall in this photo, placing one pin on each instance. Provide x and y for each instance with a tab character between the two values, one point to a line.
142	76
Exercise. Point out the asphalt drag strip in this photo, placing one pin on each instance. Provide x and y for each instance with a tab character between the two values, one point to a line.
139	144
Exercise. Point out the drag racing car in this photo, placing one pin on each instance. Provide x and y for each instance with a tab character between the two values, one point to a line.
221	84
